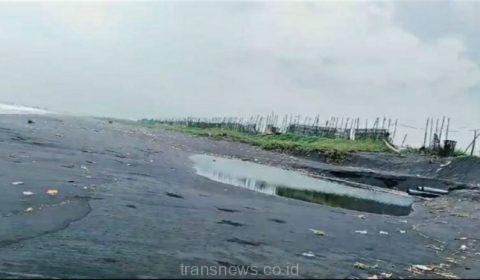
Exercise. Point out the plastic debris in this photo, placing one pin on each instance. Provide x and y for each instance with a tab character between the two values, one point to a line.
363	266
386	275
383	232
403	231
421	267
451	260
318	232
447	275
463	247
436	248
52	192
84	167
461	215
28	193
372	277
361	231
17	183
360	265
361	217
29	209
446	164
308	254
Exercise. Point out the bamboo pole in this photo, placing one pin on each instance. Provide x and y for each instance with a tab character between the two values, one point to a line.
404	139
474	141
448	128
426	132
441	129
395	131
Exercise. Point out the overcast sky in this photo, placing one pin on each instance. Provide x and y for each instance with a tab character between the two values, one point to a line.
158	59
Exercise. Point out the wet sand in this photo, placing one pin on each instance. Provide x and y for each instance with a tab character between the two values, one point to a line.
130	204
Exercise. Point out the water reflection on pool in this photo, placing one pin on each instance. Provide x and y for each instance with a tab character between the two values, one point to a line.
275	181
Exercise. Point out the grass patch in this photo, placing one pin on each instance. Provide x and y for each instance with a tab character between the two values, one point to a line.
333	149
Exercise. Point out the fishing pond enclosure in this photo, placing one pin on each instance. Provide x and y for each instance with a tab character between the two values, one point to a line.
435	140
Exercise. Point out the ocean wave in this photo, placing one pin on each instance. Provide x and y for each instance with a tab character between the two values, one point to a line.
17	109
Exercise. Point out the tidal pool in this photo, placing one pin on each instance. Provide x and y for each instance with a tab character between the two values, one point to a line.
285	183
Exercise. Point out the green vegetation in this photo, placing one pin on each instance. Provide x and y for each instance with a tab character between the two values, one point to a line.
428	152
333	149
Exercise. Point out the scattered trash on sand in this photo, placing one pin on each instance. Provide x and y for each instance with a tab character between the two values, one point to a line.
361	231
420	269
17	183
308	254
52	192
360	265
318	232
436	248
363	266
28	193
447	275
386	275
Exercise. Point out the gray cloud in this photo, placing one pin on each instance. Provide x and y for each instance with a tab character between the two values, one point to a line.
160	59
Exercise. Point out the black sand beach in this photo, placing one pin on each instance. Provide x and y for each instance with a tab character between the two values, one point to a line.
130	204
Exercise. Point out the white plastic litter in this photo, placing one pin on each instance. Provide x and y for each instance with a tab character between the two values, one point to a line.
308	254
422	267
317	232
52	192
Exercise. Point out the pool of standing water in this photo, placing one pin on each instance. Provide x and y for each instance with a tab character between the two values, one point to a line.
290	184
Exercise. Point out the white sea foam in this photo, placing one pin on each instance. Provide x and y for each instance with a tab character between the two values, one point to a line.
16	109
